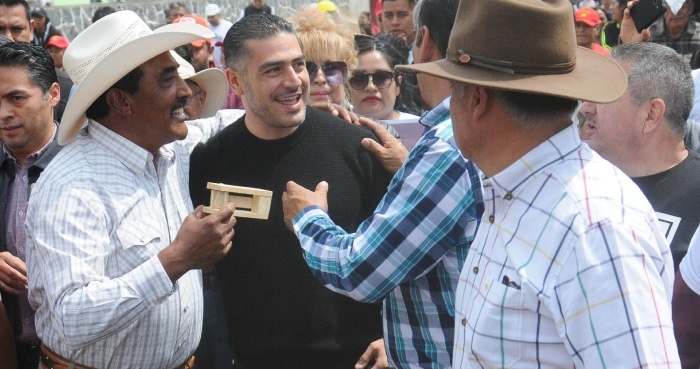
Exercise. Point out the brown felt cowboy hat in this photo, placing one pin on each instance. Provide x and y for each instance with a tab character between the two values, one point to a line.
528	46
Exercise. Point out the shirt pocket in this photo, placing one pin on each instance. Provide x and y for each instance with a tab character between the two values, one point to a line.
498	329
140	240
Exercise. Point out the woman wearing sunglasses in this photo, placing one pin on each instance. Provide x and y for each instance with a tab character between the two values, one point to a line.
330	51
375	86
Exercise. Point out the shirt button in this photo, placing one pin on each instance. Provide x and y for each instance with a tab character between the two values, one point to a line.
187	307
21	249
26	321
464	321
508	196
475	270
24	178
492	219
21	213
486	287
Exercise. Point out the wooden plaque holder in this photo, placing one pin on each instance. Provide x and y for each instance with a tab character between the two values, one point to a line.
250	202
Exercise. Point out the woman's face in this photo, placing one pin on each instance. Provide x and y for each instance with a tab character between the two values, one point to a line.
371	100
320	91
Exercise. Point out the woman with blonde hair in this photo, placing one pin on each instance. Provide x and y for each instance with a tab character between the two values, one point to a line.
330	53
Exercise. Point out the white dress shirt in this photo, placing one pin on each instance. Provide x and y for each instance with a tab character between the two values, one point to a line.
97	218
568	269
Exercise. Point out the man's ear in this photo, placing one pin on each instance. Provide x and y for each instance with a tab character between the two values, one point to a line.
119	102
235	80
428	49
656	108
54	94
31	30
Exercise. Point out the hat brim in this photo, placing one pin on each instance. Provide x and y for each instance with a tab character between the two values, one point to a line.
118	64
214	81
595	78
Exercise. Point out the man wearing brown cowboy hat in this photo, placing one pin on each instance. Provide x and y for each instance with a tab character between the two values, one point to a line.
569	267
113	244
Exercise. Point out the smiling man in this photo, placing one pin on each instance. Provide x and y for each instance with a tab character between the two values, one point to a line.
677	31
114	247
278	316
28	94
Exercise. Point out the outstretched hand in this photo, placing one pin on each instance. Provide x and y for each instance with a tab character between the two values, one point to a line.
297	198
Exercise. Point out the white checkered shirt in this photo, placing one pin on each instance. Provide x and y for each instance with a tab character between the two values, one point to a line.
97	218
568	269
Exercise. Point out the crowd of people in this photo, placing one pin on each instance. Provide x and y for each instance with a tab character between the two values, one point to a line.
544	218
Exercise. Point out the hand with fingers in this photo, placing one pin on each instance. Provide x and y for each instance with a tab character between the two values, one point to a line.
297	198
201	241
374	357
339	111
13	273
390	151
628	31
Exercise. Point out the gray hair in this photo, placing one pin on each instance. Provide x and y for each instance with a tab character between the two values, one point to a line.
658	71
529	109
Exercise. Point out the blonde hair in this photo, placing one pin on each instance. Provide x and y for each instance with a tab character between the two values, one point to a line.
322	39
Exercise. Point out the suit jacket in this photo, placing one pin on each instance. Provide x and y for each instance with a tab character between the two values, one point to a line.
7	176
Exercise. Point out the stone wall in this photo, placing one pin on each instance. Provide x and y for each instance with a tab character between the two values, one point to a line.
71	20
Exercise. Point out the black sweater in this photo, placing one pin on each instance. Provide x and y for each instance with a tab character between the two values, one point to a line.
274	306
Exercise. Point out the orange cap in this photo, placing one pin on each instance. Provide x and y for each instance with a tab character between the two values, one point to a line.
58	41
189	18
587	16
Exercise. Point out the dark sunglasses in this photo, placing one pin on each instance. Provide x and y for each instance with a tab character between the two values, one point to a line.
382	79
335	72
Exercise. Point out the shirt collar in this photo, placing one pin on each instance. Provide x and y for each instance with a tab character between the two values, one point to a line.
133	156
438	114
508	182
35	156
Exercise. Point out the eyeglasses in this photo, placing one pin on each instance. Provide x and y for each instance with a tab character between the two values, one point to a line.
335	72
382	79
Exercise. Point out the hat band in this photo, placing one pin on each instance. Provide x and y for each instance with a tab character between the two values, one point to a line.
502	66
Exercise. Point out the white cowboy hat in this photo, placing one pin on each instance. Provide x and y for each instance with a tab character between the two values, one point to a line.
211	80
107	51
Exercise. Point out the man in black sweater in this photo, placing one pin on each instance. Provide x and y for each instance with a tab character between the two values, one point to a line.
277	314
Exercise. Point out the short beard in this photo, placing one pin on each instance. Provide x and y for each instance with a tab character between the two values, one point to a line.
263	112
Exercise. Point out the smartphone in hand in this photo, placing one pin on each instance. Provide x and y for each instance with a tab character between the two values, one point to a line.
645	12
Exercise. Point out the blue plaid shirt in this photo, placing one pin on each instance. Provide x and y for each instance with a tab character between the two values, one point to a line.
411	250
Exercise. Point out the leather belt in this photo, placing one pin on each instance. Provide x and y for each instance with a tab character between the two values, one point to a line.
51	360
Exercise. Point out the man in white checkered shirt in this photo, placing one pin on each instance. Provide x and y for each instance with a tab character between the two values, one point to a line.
114	246
569	267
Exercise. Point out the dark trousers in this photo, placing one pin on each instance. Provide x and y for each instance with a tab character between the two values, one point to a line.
213	351
27	355
301	361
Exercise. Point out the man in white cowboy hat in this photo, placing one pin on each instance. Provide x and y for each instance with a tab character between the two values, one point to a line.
568	267
209	89
114	246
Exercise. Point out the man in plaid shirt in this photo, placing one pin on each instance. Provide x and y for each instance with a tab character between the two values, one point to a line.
412	248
